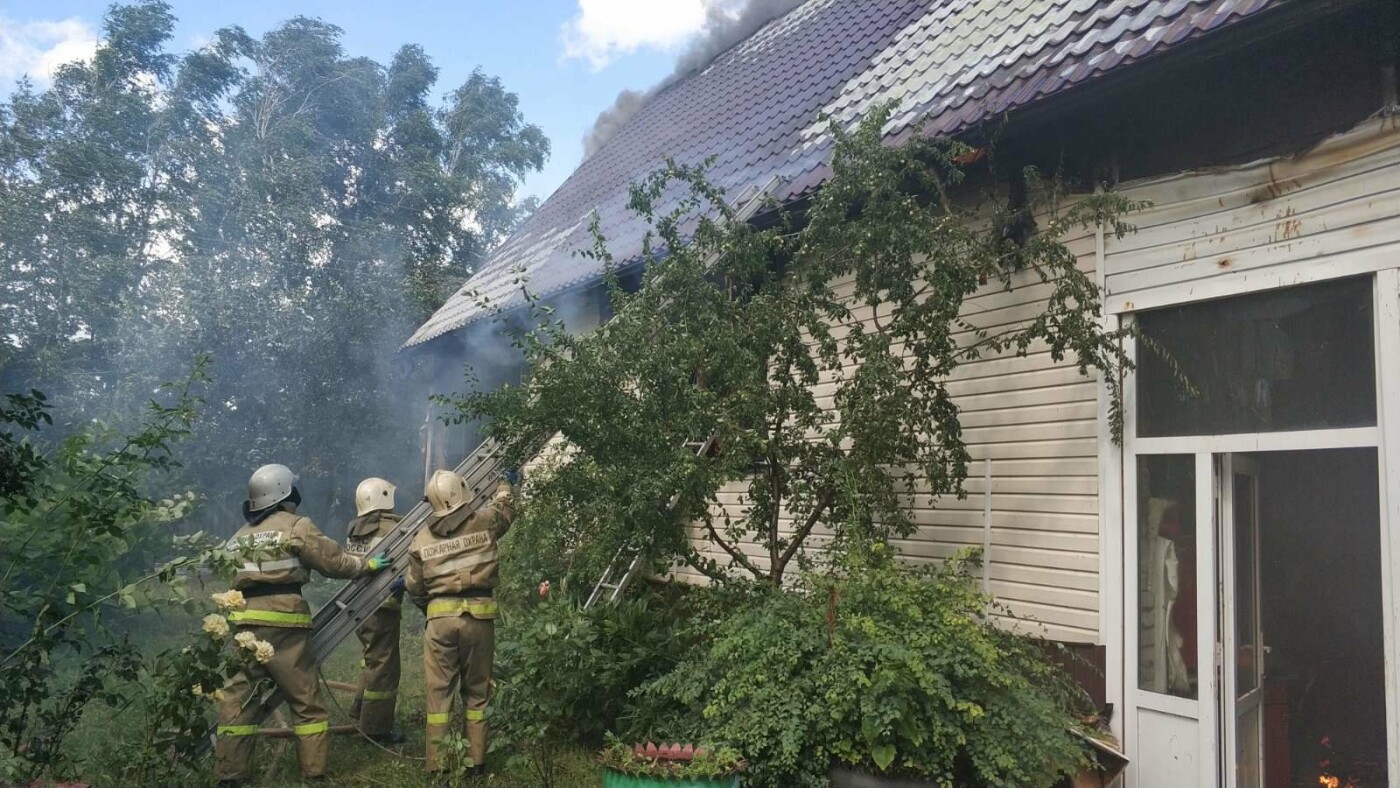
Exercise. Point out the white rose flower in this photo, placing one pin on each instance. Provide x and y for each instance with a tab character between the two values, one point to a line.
246	640
216	625
230	600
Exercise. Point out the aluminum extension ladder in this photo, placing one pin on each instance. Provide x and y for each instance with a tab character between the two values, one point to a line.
632	556
336	620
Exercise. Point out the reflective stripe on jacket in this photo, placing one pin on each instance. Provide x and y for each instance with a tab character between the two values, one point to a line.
450	607
457	553
282	549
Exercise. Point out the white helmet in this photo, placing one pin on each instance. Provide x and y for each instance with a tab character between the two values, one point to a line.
447	492
269	486
372	495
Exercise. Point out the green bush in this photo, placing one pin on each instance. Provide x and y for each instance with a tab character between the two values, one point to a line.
166	710
897	671
564	674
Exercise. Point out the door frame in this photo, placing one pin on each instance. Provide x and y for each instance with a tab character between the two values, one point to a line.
1121	536
1228	467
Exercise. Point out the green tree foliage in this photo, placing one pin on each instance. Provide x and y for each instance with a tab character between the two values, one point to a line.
79	191
82	534
290	208
818	351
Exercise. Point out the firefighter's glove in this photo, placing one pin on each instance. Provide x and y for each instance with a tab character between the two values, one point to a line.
378	563
512	476
397	587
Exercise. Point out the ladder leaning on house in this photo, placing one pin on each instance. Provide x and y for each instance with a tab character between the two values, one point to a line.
634	556
630	558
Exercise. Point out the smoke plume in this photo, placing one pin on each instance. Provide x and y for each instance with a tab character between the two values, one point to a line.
727	22
627	104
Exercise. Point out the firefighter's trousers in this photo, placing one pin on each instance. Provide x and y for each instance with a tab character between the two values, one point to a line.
457	656
293	670
379	679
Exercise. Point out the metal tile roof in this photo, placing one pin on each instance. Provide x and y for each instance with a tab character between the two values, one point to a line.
758	108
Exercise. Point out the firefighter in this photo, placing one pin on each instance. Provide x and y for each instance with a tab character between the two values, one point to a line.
373	708
281	548
452	573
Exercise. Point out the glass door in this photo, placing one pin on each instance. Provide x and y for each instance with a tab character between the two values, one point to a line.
1171	718
1243	642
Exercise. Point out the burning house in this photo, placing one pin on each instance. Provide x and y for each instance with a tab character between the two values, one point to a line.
1231	565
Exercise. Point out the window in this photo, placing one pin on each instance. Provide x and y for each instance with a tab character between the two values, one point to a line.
1166	568
1290	359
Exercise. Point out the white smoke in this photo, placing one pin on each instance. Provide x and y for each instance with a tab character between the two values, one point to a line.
727	22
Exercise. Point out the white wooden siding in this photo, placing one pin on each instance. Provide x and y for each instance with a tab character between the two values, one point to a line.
1331	211
1036	419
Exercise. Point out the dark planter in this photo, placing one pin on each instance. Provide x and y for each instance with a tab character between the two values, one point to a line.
616	779
842	777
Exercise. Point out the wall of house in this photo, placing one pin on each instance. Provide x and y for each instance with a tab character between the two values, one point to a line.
1036	421
1327	212
1330	211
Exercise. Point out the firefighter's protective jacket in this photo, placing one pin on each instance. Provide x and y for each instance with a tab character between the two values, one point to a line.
454	563
285	548
362	538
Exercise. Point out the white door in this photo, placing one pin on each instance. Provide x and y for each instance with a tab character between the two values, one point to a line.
1242	646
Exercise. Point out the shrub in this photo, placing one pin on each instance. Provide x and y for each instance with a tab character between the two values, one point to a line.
897	671
753	688
564	673
168	705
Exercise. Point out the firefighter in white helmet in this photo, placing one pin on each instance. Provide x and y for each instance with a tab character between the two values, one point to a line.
373	708
280	549
452	572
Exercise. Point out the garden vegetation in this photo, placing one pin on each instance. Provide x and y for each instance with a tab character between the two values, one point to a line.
816	349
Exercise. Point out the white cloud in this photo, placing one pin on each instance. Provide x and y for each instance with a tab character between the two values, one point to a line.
38	47
605	29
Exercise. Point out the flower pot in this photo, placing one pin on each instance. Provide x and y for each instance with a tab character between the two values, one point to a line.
615	779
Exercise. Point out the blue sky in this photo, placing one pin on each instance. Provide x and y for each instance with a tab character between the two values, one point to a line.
566	59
